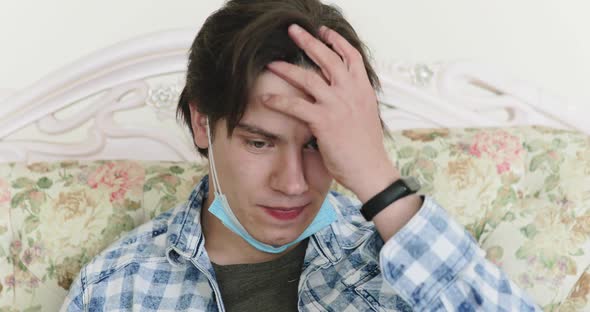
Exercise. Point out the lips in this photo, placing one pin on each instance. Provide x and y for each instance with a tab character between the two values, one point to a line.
284	213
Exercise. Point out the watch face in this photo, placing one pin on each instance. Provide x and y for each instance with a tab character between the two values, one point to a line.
412	183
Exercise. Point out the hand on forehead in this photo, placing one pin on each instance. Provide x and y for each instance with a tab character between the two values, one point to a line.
269	83
344	114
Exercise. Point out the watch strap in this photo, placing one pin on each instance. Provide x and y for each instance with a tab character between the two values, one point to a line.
393	192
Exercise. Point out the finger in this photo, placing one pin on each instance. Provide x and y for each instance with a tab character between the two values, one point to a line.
306	80
330	63
295	107
351	56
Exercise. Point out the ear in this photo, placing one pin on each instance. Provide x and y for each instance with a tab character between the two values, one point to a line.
199	126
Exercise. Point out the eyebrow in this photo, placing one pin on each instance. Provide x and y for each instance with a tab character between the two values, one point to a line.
259	131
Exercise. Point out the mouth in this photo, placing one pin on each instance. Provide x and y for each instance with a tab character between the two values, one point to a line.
284	213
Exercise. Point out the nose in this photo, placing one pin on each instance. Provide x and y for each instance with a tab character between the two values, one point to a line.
288	175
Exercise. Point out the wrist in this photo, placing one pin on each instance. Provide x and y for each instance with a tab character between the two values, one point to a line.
394	217
376	182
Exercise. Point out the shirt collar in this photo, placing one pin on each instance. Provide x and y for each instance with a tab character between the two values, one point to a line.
185	236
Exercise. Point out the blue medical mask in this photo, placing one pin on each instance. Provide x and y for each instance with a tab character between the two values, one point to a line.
220	208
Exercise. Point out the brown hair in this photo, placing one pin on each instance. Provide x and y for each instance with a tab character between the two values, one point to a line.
235	44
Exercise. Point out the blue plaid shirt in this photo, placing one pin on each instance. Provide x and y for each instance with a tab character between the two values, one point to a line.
431	264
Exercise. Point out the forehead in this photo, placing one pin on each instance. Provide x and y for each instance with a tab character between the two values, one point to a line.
262	117
268	83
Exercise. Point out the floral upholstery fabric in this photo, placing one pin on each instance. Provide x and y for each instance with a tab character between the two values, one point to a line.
524	194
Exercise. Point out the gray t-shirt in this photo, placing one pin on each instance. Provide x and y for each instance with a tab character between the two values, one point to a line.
260	287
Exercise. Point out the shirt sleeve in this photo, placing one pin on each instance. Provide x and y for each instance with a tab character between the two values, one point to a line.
74	299
436	265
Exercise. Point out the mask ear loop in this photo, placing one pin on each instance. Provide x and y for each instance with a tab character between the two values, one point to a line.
213	170
218	192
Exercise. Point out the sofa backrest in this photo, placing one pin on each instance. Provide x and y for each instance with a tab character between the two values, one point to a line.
523	193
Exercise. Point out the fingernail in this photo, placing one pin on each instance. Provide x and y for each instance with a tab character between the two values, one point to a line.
296	29
271	65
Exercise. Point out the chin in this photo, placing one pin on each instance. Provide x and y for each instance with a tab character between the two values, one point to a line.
282	239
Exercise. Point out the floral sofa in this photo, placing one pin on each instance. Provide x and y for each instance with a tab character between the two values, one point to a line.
523	193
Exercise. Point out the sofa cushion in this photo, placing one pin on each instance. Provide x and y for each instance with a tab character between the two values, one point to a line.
523	193
59	215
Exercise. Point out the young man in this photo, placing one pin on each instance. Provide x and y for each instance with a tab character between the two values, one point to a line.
281	99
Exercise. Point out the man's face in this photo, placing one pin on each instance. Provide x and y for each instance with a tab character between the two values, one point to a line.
269	169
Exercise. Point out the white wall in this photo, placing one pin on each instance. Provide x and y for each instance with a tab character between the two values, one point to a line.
543	41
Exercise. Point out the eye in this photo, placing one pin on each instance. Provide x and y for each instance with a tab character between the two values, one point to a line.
257	144
312	144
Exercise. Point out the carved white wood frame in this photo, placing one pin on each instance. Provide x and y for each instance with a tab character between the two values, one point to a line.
120	79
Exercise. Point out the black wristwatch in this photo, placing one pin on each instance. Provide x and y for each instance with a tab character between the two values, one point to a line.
398	189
